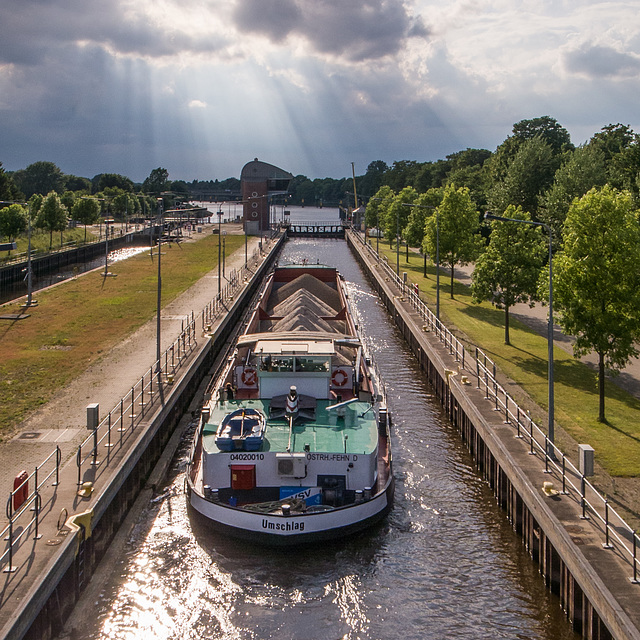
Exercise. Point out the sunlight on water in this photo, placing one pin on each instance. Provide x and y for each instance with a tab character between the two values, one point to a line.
444	564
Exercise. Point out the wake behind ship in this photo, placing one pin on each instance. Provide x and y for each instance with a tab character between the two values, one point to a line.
293	445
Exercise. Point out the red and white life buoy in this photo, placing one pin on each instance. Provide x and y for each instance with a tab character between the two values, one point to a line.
339	378
249	377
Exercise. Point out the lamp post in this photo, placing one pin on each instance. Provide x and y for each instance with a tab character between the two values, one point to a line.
159	297
219	250
551	427
426	206
107	222
398	241
224	252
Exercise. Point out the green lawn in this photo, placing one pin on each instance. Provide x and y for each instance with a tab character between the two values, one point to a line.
617	443
75	323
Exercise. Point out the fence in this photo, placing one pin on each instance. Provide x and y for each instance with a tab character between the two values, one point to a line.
618	536
25	507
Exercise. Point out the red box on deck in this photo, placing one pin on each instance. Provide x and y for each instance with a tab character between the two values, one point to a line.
243	476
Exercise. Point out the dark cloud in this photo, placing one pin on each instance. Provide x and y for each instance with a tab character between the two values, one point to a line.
357	31
31	30
595	61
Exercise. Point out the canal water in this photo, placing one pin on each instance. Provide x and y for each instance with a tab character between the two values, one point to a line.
445	564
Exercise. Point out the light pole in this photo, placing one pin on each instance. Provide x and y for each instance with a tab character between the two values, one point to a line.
219	251
426	206
159	299
398	241
107	222
551	430
224	252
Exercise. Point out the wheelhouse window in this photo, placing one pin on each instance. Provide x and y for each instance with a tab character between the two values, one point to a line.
315	364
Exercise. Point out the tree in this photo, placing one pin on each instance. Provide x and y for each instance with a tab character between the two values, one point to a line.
528	176
584	170
372	179
547	128
426	203
8	189
40	177
544	127
398	215
507	271
86	211
376	211
597	283
157	181
105	180
52	215
458	221
76	183
13	221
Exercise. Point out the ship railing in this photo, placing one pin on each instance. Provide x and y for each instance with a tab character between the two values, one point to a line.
572	482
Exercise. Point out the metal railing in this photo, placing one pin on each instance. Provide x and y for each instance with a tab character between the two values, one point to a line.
618	535
25	508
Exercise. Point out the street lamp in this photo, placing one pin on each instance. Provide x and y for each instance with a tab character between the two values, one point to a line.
159	300
490	216
219	250
426	206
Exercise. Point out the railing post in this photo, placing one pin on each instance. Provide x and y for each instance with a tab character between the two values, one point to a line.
583	500
37	503
607	544
531	451
79	464
95	462
546	453
634	579
133	407
58	460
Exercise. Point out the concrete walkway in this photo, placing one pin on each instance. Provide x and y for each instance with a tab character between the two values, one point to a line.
62	421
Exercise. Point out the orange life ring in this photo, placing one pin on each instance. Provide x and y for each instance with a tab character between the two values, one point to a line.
339	378
249	377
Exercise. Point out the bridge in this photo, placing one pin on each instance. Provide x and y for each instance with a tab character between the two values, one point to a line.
315	230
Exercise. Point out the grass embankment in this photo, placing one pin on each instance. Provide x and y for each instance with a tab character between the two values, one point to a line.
40	241
77	321
617	443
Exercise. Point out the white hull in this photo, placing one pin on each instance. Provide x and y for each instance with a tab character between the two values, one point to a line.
280	530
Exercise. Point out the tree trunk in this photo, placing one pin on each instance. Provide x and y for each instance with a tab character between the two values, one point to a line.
506	324
451	280
601	416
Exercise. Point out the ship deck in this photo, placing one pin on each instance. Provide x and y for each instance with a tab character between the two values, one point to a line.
354	433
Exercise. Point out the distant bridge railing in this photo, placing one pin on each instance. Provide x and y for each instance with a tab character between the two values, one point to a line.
315	230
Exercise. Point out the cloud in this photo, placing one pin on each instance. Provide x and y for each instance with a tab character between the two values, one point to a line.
598	61
197	104
354	31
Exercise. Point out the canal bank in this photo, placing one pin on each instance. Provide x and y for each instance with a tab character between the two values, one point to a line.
585	553
51	554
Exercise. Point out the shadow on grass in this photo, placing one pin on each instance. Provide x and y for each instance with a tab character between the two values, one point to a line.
490	315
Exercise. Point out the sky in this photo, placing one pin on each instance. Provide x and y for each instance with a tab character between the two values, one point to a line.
201	87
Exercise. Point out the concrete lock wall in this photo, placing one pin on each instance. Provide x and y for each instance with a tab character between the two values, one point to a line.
587	601
53	599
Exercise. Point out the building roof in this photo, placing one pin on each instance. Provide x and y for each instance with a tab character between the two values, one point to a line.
257	171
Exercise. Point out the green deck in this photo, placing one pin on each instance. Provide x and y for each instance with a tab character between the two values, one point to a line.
328	433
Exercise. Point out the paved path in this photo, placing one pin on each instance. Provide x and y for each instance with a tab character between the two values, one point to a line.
62	421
